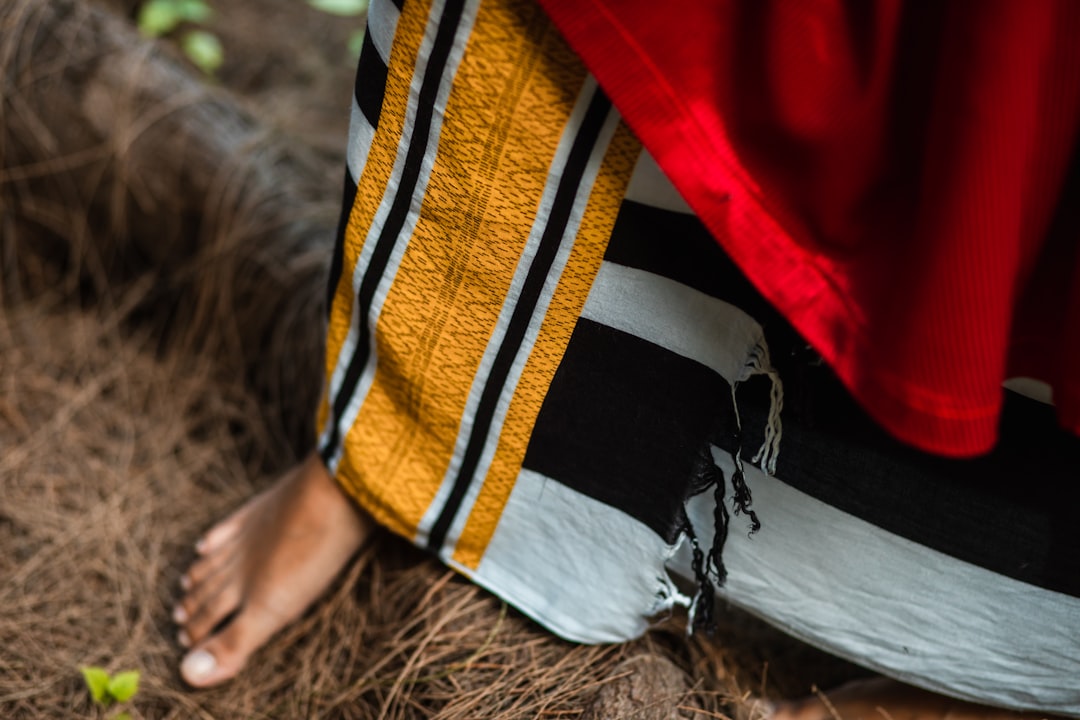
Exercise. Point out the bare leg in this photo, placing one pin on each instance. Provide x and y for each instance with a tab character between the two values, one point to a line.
883	699
267	563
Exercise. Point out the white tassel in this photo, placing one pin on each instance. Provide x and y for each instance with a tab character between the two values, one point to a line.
769	452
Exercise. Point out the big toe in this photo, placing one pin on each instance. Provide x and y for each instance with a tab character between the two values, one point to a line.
224	654
200	668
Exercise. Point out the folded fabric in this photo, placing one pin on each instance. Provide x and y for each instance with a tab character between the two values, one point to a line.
899	179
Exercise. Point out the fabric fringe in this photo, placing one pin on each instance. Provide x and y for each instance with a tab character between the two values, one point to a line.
702	609
761	364
709	570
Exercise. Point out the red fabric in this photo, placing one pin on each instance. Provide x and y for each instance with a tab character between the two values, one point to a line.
891	176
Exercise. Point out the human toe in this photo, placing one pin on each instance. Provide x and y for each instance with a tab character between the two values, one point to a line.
199	584
225	653
225	531
756	708
205	568
199	615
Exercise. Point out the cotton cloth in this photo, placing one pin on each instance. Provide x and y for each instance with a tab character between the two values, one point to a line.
900	179
542	367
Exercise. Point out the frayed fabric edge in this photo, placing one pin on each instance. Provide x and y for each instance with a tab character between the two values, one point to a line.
761	364
709	571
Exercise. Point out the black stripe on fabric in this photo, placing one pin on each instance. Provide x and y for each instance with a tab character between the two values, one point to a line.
678	247
623	422
395	219
565	195
371	74
1012	511
348	197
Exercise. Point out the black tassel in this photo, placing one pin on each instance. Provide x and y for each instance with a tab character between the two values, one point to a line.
721	521
741	498
704	608
708	566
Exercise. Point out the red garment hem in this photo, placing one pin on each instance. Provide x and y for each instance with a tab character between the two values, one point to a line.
783	270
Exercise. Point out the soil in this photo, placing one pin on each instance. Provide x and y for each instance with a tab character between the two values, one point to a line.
117	451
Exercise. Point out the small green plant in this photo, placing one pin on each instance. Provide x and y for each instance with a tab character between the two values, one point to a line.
158	18
106	689
345	8
204	49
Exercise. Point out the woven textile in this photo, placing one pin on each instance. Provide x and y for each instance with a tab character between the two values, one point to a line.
900	179
514	372
542	367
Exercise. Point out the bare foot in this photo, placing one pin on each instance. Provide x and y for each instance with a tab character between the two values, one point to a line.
884	699
264	565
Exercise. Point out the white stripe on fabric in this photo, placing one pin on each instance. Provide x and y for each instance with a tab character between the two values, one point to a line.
678	318
1031	388
361	133
649	185
558	164
382	23
581	568
933	621
457	50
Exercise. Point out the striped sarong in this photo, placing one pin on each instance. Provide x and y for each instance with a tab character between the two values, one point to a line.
542	368
498	295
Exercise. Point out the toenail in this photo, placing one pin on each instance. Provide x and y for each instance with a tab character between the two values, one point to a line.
198	665
183	639
200	546
185	583
179	615
763	709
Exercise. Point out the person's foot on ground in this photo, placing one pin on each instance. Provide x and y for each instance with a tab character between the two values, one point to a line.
884	699
264	566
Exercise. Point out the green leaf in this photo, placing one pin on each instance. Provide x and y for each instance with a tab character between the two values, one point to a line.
122	716
123	686
203	49
97	682
195	11
158	17
346	8
356	43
